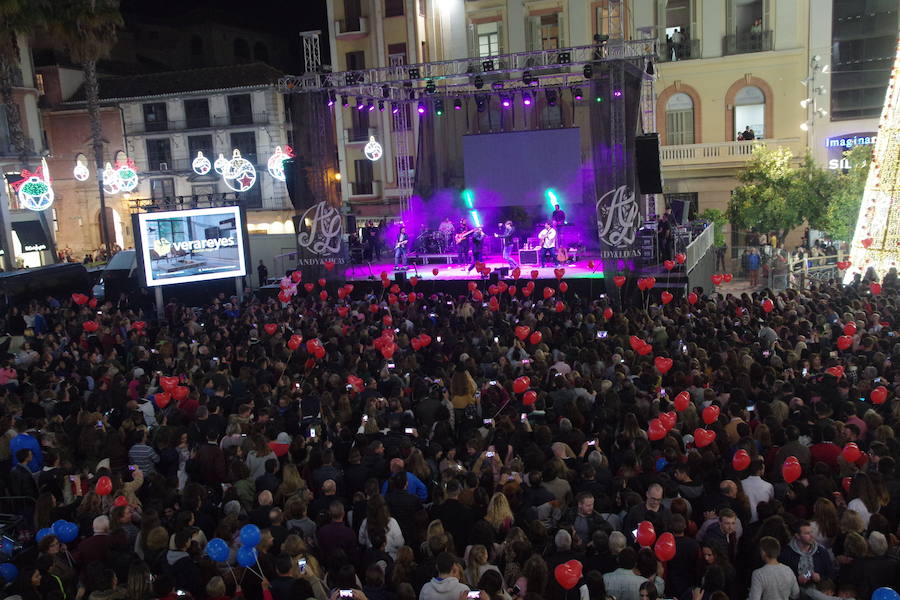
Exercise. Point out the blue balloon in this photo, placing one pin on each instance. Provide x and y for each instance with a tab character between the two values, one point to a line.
7	546
42	533
68	532
250	535
9	572
246	556
58	526
661	464
217	550
882	593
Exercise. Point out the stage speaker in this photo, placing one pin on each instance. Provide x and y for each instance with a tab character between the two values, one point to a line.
399	277
494	277
646	151
351	224
680	210
503	271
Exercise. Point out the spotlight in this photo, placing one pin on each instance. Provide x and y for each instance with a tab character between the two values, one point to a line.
478	82
526	77
457	104
345	102
331	98
563	58
487	65
598	99
439	107
588	71
381	105
370	105
480	104
804	126
421	108
551	97
805	103
414	73
505	101
430	88
526	99
385	91
576	93
395	108
617	93
359	103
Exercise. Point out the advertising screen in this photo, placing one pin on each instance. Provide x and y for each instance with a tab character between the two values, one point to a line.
192	245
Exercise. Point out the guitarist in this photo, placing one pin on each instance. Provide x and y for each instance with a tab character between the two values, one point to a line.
462	242
400	248
477	243
548	244
558	218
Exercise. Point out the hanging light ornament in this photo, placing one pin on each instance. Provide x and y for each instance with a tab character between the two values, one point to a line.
81	172
34	191
111	183
275	165
221	164
240	174
201	164
127	174
373	150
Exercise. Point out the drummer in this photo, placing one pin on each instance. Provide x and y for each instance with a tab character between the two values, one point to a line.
446	230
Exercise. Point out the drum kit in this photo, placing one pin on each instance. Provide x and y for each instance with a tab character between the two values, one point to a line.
432	241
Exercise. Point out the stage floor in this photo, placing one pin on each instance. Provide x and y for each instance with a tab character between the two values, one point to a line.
460	272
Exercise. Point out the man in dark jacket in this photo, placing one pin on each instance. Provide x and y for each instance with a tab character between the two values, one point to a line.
681	571
456	516
21	481
210	461
182	567
584	520
809	561
336	536
402	504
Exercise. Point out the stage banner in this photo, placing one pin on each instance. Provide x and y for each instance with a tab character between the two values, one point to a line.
320	239
617	205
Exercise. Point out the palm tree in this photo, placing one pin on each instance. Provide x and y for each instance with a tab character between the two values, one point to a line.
17	17
89	29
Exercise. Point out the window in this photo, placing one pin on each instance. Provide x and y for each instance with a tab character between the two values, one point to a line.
196	45
260	52
159	154
397	54
750	110
196	113
352	14
393	8
356	61
363	182
245	141
680	120
200	143
241	50
155	118
549	32
239	109
164	188
206	189
360	128
487	38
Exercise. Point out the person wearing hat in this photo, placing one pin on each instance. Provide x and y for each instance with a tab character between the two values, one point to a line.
281	444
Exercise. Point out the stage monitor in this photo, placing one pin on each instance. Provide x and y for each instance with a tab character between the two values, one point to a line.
523	168
182	246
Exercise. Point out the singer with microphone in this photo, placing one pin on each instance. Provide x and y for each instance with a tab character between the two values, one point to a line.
400	248
506	239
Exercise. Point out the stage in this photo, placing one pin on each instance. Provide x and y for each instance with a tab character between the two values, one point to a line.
460	272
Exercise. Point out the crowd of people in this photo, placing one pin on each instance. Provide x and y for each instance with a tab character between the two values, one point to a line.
449	448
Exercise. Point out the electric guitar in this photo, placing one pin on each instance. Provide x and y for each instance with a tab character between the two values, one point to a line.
461	236
400	244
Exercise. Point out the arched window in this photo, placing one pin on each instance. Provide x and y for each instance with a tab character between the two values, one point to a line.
680	119
196	45
260	52
241	49
750	111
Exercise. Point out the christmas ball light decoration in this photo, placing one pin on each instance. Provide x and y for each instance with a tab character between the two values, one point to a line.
127	174
275	165
110	180
81	172
201	164
221	164
373	150
34	191
240	174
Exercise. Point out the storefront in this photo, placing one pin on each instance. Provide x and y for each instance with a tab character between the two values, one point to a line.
31	243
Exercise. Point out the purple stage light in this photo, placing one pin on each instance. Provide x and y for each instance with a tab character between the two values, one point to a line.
395	108
617	93
421	108
505	102
526	99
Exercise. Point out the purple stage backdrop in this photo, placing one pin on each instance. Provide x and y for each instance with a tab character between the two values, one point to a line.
518	167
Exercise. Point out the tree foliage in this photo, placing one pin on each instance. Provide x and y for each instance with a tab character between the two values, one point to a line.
719	220
843	210
778	194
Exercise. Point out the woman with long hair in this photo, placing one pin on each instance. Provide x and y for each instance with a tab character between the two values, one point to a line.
404	567
59	566
865	496
499	514
138	586
477	564
379	519
291	484
257	456
825	526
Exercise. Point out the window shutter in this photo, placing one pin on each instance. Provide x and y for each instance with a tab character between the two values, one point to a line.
534	33
501	43
563	29
767	24
473	41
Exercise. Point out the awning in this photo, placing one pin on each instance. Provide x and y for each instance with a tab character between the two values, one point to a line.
31	235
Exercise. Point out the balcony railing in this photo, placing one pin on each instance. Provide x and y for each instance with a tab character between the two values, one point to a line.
365	189
351	28
355	135
182	165
686	50
720	153
236	120
742	43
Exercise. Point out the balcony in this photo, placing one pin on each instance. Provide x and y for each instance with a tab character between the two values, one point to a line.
719	154
365	189
351	29
236	120
358	135
743	43
686	50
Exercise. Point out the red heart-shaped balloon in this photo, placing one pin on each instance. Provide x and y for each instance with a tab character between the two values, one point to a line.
879	395
294	341
844	342
162	399
520	384
837	371
680	258
535	273
726	277
607	313
704	437
665	547
710	414
516	273
560	307
692	298
669	264
308	287
529	398
875	288
522	331
850	328
668	419
619	280
666	297
646	534
559	273
270	328
296	276
567	576
414	281
656	430
867	242
168	383
329	265
843	265
548	293
663	364
740	460
645	349
536	338
563	287
851	452
180	392
716	279
768	306
791	471
682	400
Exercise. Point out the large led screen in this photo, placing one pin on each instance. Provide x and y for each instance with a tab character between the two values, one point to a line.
201	244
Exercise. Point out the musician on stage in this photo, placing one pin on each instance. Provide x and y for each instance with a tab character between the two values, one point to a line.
558	218
506	239
462	246
548	244
400	248
477	243
446	230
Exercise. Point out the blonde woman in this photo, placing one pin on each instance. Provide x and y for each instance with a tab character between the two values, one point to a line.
291	484
299	552
477	564
499	515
